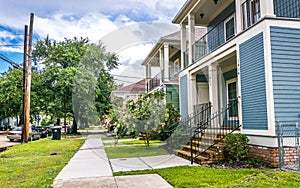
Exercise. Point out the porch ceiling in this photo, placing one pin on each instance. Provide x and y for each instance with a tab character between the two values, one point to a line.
206	7
228	61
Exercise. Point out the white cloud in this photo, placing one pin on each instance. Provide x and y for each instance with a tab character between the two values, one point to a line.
105	20
7	46
93	26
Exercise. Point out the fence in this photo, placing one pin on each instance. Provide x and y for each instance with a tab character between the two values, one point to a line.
288	145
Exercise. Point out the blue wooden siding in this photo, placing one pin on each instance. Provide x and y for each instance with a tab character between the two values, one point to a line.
183	84
253	85
285	46
173	95
287	8
216	28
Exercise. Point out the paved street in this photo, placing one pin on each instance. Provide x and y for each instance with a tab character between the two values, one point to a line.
4	142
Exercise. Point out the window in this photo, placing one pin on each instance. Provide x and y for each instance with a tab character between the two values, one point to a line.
176	65
231	97
256	11
174	69
250	12
229	28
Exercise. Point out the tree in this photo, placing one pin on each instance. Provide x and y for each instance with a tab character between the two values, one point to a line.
149	114
73	75
11	93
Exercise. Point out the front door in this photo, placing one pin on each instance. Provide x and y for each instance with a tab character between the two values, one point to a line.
231	98
202	93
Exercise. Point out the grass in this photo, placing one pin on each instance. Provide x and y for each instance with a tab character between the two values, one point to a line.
108	138
198	176
133	142
31	165
113	138
133	151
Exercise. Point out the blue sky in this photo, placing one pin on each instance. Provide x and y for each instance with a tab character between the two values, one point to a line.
92	18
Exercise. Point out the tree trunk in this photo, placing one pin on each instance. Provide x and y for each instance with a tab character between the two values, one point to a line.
74	126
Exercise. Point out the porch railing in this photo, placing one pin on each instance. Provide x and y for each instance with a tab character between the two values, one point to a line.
154	82
172	72
213	39
216	126
181	132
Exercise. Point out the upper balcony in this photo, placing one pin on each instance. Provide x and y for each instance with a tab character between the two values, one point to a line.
165	59
217	34
159	78
223	21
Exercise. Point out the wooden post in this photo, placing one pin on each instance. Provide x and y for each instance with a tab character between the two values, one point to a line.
28	81
24	82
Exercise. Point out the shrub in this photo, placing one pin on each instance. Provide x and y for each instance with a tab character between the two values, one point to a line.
236	148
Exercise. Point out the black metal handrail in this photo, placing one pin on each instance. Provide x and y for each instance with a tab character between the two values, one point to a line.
181	132
216	126
154	82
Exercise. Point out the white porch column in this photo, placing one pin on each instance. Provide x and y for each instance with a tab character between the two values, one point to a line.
267	8
238	16
191	20
148	77
166	62
192	93
183	43
213	87
161	64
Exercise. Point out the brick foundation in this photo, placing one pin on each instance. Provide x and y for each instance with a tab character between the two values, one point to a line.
264	154
269	155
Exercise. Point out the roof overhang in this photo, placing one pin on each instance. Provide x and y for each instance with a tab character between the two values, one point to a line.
154	53
207	8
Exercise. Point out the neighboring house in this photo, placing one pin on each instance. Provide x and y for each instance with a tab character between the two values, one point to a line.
166	56
131	91
249	55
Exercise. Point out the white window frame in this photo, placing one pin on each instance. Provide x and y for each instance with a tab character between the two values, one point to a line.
234	26
227	97
244	14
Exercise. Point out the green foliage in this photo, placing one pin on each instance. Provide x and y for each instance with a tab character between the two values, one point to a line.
76	81
11	93
236	148
148	115
171	120
47	122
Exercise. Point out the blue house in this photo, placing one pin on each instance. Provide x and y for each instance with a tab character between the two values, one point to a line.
245	70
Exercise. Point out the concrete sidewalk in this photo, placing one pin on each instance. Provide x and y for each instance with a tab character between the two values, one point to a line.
90	168
89	161
146	163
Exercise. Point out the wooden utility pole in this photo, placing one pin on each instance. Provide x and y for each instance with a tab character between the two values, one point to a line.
24	82
28	82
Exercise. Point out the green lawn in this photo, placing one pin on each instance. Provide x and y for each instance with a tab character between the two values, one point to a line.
132	142
31	165
133	151
211	177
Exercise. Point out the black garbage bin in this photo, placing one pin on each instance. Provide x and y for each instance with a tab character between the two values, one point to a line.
56	132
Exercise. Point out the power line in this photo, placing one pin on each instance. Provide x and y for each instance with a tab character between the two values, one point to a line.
11	45
11	34
15	65
127	76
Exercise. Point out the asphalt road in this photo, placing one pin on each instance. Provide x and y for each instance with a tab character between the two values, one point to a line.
4	142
